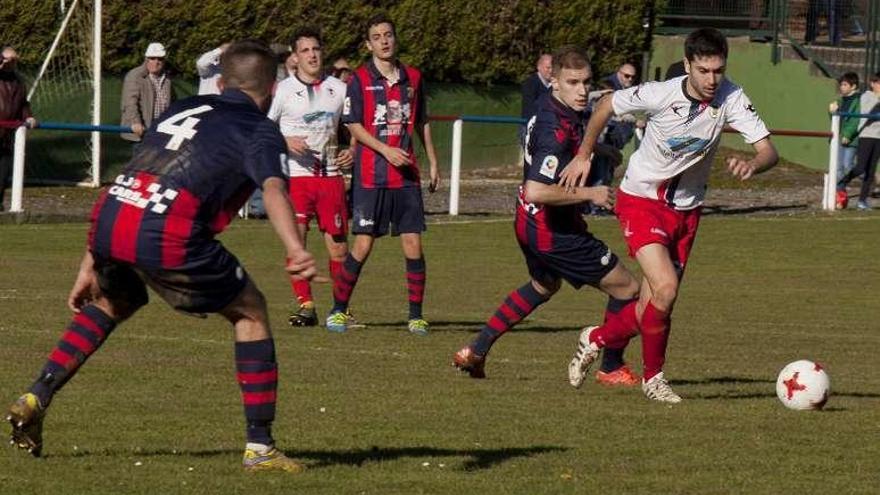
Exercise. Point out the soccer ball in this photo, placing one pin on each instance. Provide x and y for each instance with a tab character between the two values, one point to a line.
803	385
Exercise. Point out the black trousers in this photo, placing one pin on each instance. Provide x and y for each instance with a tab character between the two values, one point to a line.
866	166
5	173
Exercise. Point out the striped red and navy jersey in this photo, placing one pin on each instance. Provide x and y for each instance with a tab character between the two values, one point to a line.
391	113
196	166
551	143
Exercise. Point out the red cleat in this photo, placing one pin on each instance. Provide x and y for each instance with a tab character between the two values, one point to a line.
468	361
842	200
621	377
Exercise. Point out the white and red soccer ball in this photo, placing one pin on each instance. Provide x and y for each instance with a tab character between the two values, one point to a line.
803	385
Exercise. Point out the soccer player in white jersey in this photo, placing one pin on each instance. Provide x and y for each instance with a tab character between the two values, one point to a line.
307	106
659	201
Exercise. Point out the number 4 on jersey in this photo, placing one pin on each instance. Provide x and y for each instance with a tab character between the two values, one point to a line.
181	131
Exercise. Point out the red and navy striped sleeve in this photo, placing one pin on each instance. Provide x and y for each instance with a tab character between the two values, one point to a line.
549	150
353	107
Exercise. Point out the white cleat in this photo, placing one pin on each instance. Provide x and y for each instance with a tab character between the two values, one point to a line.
586	354
657	388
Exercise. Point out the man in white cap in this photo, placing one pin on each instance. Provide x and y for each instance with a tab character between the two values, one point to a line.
146	92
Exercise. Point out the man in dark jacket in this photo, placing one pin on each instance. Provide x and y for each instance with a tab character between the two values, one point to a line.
14	107
536	85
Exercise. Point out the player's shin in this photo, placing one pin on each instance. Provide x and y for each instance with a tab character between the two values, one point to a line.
619	326
415	284
516	306
344	283
655	327
82	337
257	374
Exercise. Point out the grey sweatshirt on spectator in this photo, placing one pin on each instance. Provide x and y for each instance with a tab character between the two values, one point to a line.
869	103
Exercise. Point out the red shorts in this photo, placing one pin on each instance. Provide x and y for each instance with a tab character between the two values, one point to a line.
323	197
649	221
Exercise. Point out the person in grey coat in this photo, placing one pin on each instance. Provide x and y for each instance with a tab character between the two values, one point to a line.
146	93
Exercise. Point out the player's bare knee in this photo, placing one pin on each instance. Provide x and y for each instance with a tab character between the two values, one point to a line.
547	287
663	295
412	245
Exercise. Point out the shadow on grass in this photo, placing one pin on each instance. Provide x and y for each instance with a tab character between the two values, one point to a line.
720	380
723	210
472	326
476	458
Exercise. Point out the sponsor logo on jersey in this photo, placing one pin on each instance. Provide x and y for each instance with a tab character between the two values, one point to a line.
676	109
318	115
549	166
128	190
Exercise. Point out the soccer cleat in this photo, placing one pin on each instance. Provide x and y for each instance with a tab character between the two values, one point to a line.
418	326
338	322
583	358
26	417
303	316
657	388
621	377
271	460
353	324
842	200
470	362
863	205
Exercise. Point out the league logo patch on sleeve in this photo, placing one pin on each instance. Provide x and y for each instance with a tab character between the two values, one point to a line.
346	106
549	166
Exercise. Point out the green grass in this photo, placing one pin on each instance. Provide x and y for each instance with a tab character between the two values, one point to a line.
381	411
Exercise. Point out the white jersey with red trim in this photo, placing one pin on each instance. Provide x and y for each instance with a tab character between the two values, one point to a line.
674	159
311	111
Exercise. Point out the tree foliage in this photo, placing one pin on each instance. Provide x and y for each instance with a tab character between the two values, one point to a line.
451	40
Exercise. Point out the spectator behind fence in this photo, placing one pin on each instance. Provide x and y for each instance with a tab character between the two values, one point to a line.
13	107
848	85
868	149
284	55
536	85
208	67
146	93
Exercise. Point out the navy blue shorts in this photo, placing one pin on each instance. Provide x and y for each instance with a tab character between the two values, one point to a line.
579	260
373	210
205	286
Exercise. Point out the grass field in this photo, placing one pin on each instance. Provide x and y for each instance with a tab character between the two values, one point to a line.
380	411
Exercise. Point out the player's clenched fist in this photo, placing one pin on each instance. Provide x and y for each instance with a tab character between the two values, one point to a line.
740	168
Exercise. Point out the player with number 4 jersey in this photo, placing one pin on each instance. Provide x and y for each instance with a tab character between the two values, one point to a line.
661	195
155	226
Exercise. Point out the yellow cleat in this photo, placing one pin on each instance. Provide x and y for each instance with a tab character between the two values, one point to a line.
272	460
26	417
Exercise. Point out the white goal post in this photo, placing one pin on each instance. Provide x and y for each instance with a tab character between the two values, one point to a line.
81	25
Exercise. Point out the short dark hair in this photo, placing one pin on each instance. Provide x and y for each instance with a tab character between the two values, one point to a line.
248	65
305	32
875	77
705	42
375	20
569	57
850	77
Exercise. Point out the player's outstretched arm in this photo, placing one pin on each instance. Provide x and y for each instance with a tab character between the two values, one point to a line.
281	214
766	158
576	172
547	194
395	156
